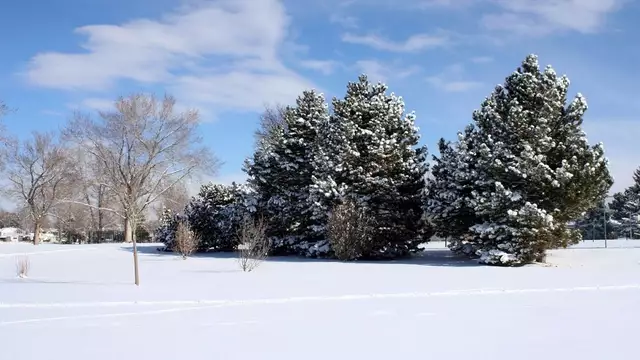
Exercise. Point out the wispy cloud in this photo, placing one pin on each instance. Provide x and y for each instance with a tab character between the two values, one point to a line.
451	79
324	66
378	71
481	59
546	16
344	20
414	43
200	52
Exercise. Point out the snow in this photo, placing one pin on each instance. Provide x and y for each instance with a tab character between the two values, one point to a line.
79	303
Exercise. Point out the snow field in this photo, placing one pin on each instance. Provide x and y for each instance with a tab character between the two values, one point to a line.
79	302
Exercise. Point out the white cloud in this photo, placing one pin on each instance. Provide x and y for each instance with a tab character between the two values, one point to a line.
526	17
541	17
324	66
414	43
378	71
98	104
451	80
481	59
232	44
344	20
193	186
453	85
429	4
620	145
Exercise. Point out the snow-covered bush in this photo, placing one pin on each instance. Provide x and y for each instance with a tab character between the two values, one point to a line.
507	190
166	231
216	213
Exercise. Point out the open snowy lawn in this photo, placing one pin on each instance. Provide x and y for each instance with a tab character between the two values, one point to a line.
79	303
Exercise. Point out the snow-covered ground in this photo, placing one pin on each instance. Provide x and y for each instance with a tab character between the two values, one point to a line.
79	303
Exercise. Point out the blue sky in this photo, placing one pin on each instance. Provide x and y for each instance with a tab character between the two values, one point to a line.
230	58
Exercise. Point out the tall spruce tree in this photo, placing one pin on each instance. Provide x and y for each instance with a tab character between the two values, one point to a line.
532	171
296	155
370	154
282	171
263	174
450	203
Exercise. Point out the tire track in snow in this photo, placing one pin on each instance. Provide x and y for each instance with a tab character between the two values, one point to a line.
289	300
45	252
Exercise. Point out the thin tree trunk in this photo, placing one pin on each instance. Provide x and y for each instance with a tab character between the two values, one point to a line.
130	237
36	232
128	231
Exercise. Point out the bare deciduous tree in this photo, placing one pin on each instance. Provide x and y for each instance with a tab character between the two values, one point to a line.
4	109
174	199
39	174
95	195
272	117
145	148
10	219
253	244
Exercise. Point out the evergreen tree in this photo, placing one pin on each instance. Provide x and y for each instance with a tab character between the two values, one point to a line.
532	169
296	160
598	221
450	192
215	214
166	231
281	173
264	172
369	154
626	208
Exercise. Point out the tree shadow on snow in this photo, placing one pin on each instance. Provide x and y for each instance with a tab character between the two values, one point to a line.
430	257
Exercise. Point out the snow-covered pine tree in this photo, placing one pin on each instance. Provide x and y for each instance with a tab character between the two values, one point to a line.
295	154
533	173
281	170
597	221
626	208
264	172
165	233
215	214
369	153
449	205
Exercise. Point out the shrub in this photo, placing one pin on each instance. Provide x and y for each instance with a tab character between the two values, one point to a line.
185	242
349	230
22	266
253	244
215	215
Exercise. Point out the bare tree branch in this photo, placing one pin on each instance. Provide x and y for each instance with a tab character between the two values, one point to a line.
271	118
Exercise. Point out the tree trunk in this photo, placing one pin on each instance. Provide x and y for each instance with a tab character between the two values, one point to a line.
128	231
36	232
130	237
